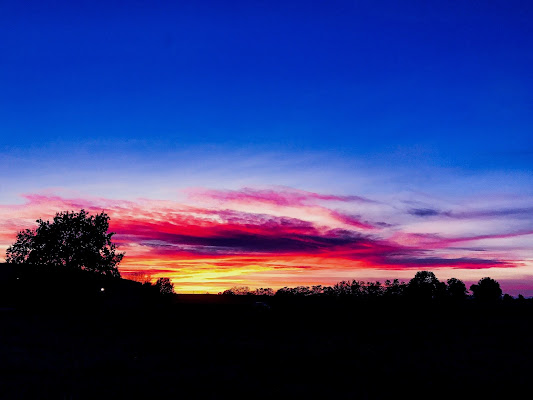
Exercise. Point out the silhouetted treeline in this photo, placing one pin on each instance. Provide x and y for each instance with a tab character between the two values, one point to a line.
423	287
48	284
326	342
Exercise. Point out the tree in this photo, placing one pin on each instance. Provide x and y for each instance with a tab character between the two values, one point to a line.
456	289
317	290
164	286
425	286
264	292
394	288
284	291
301	291
508	299
487	290
374	289
72	240
343	288
237	291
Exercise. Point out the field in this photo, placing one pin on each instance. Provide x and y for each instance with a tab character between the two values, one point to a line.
212	347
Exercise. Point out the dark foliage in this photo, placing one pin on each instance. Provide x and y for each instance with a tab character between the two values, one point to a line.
456	290
238	291
164	286
264	292
487	290
65	337
425	287
221	347
72	240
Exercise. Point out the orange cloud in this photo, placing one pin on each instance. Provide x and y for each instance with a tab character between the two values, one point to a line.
216	247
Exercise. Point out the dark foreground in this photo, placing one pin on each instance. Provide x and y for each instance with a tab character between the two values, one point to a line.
203	349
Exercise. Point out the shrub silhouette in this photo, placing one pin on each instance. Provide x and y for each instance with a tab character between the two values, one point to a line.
73	240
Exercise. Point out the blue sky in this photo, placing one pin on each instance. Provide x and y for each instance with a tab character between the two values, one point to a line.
415	104
361	78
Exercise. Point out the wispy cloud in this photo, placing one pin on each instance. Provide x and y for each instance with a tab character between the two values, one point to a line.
521	212
193	243
285	199
281	196
424	212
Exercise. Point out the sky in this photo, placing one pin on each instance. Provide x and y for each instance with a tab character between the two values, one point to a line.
279	143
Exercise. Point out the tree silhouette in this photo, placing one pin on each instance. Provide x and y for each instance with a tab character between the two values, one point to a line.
374	289
394	288
425	286
487	290
264	292
72	240
344	288
456	289
423	289
317	290
237	291
164	286
507	298
284	292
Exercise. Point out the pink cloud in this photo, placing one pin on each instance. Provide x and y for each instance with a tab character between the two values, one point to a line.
167	236
280	197
434	241
286	198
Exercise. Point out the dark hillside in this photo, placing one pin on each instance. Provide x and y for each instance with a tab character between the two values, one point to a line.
42	287
216	347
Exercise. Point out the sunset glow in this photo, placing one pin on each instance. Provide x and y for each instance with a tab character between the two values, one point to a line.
208	248
266	146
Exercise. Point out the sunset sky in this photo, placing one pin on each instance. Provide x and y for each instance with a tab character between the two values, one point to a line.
273	144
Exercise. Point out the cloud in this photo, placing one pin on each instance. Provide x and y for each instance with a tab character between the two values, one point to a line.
456	263
424	212
231	233
435	241
208	243
284	198
281	196
522	212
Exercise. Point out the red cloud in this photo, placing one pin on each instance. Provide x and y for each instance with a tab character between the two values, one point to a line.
168	236
179	237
